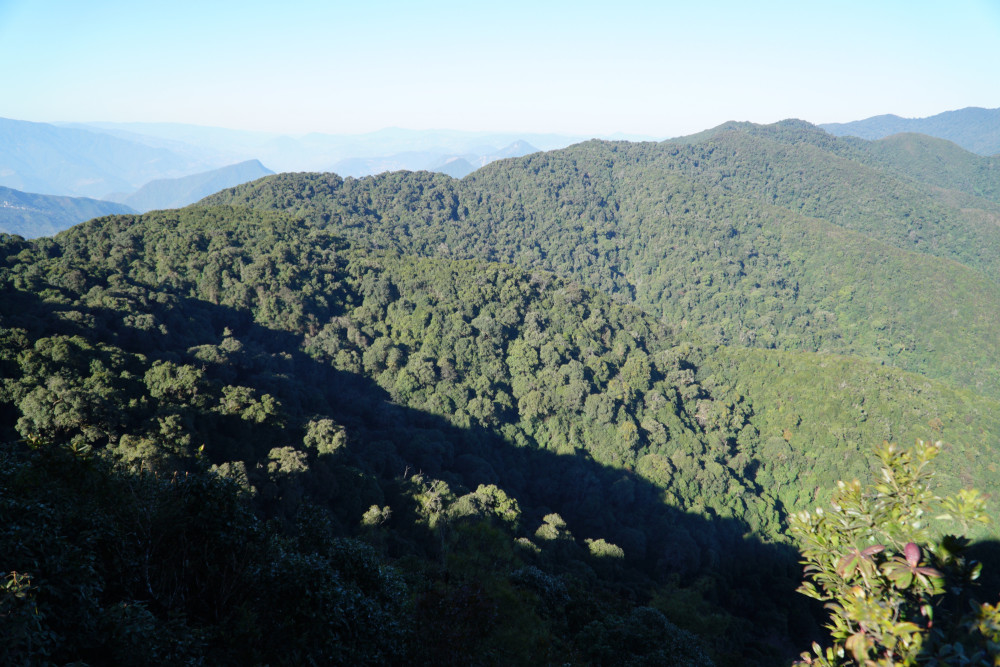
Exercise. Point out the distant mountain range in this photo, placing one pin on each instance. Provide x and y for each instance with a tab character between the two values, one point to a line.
387	149
457	166
973	128
43	158
148	166
179	192
33	215
114	160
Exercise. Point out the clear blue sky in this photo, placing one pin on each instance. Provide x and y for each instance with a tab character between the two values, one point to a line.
657	68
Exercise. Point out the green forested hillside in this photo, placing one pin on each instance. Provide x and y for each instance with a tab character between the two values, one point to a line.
816	416
544	363
406	398
940	163
557	412
659	226
859	185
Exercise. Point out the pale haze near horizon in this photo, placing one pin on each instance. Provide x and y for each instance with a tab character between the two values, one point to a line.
583	68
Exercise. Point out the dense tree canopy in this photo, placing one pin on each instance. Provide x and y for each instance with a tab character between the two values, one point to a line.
560	411
769	237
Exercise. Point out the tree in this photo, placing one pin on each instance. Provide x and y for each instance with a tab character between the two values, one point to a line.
896	589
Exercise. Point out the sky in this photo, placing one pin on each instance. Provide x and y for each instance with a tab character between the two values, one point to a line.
659	69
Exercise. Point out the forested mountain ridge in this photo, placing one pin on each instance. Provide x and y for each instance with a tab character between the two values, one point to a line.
724	238
584	454
941	163
814	415
864	186
272	354
344	304
403	395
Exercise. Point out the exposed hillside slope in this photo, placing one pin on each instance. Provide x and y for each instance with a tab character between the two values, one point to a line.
519	148
456	167
32	215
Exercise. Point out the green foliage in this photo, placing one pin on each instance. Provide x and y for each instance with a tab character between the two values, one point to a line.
886	593
26	636
599	548
123	568
539	461
811	416
859	185
494	365
651	638
772	237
